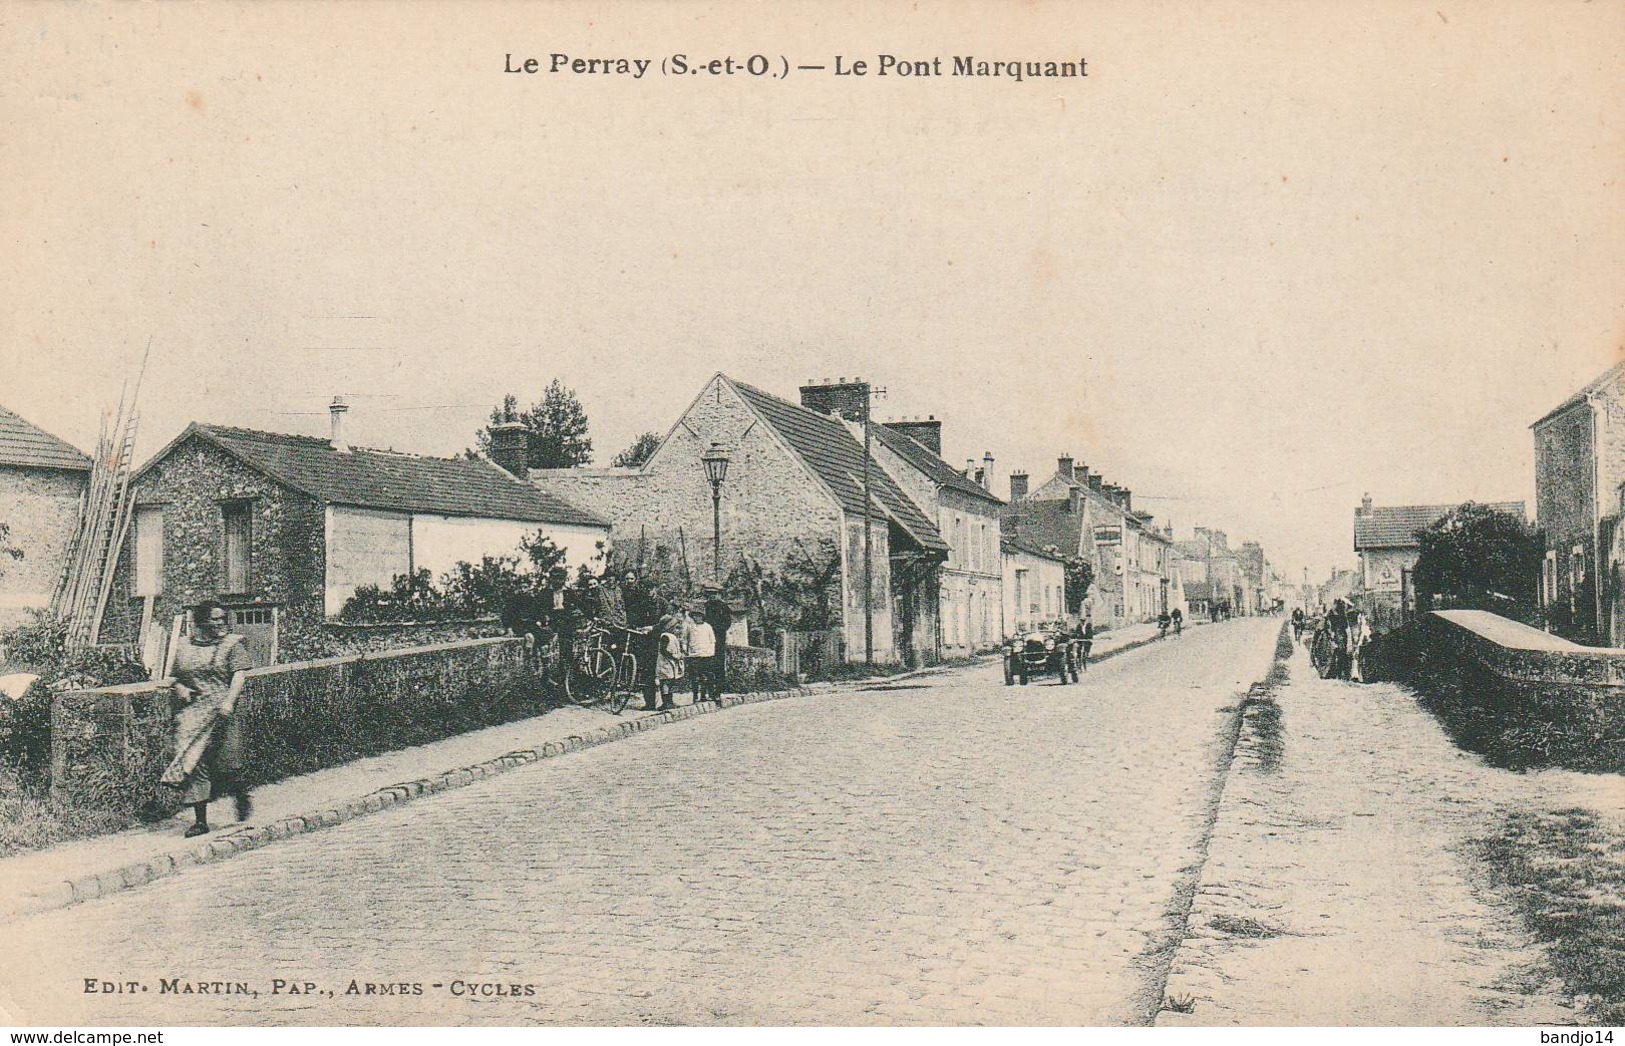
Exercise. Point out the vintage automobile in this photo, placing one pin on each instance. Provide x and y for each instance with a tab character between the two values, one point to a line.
1039	651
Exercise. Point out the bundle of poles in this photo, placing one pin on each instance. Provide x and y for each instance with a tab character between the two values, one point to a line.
82	592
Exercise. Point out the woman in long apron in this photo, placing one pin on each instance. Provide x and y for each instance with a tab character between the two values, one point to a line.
209	754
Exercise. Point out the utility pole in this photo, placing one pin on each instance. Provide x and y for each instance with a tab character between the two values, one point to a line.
869	394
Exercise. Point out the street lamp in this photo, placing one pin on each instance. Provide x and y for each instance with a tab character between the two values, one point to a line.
716	470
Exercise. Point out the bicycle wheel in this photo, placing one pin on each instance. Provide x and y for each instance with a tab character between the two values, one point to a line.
626	682
603	677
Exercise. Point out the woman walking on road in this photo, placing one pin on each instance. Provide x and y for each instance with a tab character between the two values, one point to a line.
208	733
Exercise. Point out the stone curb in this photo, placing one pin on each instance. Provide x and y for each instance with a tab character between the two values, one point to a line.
139	873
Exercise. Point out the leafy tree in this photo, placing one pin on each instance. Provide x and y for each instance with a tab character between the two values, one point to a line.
1080	574
1480	558
556	424
641	450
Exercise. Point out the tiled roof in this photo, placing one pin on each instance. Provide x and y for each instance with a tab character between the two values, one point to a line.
824	443
928	462
1040	524
1395	526
392	481
29	446
1028	548
1580	397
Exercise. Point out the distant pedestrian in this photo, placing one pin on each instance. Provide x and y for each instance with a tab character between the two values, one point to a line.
1179	620
1164	620
209	744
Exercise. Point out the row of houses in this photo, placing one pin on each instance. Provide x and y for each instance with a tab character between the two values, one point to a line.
1579	502
927	561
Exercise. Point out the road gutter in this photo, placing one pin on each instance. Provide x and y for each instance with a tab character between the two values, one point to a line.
1159	957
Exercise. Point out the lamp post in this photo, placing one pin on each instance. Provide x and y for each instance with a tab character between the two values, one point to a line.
716	462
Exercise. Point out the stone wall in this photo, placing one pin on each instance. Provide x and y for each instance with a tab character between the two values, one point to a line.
41	508
110	745
1504	686
1566	511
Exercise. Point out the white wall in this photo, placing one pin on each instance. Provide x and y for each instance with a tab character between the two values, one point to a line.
441	542
365	547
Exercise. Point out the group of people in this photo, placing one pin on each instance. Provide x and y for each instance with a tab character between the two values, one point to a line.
673	639
1338	637
1176	620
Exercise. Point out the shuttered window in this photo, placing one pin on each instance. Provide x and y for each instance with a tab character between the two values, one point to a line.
149	550
237	555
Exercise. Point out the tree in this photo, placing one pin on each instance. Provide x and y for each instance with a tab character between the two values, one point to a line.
1080	574
1479	558
556	424
641	450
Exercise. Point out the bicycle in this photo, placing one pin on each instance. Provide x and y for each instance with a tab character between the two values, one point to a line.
602	668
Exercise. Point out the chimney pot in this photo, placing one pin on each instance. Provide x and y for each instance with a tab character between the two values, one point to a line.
1063	465
335	413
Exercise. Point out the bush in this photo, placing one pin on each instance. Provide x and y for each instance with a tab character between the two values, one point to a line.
25	724
36	645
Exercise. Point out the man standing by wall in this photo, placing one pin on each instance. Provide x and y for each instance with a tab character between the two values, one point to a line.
719	616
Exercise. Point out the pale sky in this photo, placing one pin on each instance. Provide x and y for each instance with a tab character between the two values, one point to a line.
1264	258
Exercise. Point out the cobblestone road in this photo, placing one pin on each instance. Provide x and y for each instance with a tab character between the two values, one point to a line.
942	851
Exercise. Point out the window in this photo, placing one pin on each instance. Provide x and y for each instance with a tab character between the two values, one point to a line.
149	550
237	555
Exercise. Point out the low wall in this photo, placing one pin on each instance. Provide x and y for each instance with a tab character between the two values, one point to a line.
109	746
1515	693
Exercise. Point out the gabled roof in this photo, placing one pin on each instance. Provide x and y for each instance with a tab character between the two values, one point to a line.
1039	524
832	453
25	444
387	480
1028	548
934	468
1395	526
1584	394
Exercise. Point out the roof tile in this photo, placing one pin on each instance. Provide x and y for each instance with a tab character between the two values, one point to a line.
25	444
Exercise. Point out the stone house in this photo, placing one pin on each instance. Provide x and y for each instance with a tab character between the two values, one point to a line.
967	515
1212	573
1080	514
1579	466
1034	586
42	482
1385	538
283	529
793	489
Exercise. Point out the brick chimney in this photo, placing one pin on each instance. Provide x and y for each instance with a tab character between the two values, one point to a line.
927	433
1365	506
848	399
987	469
510	448
1095	482
1063	467
1018	486
335	414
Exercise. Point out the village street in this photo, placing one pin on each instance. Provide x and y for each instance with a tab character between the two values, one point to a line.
938	850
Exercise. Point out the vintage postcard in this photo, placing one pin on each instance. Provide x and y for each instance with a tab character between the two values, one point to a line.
731	514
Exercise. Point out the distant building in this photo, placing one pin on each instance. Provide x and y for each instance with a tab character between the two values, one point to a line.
1579	467
1385	537
1034	587
967	516
283	529
1082	515
1212	574
42	480
794	485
